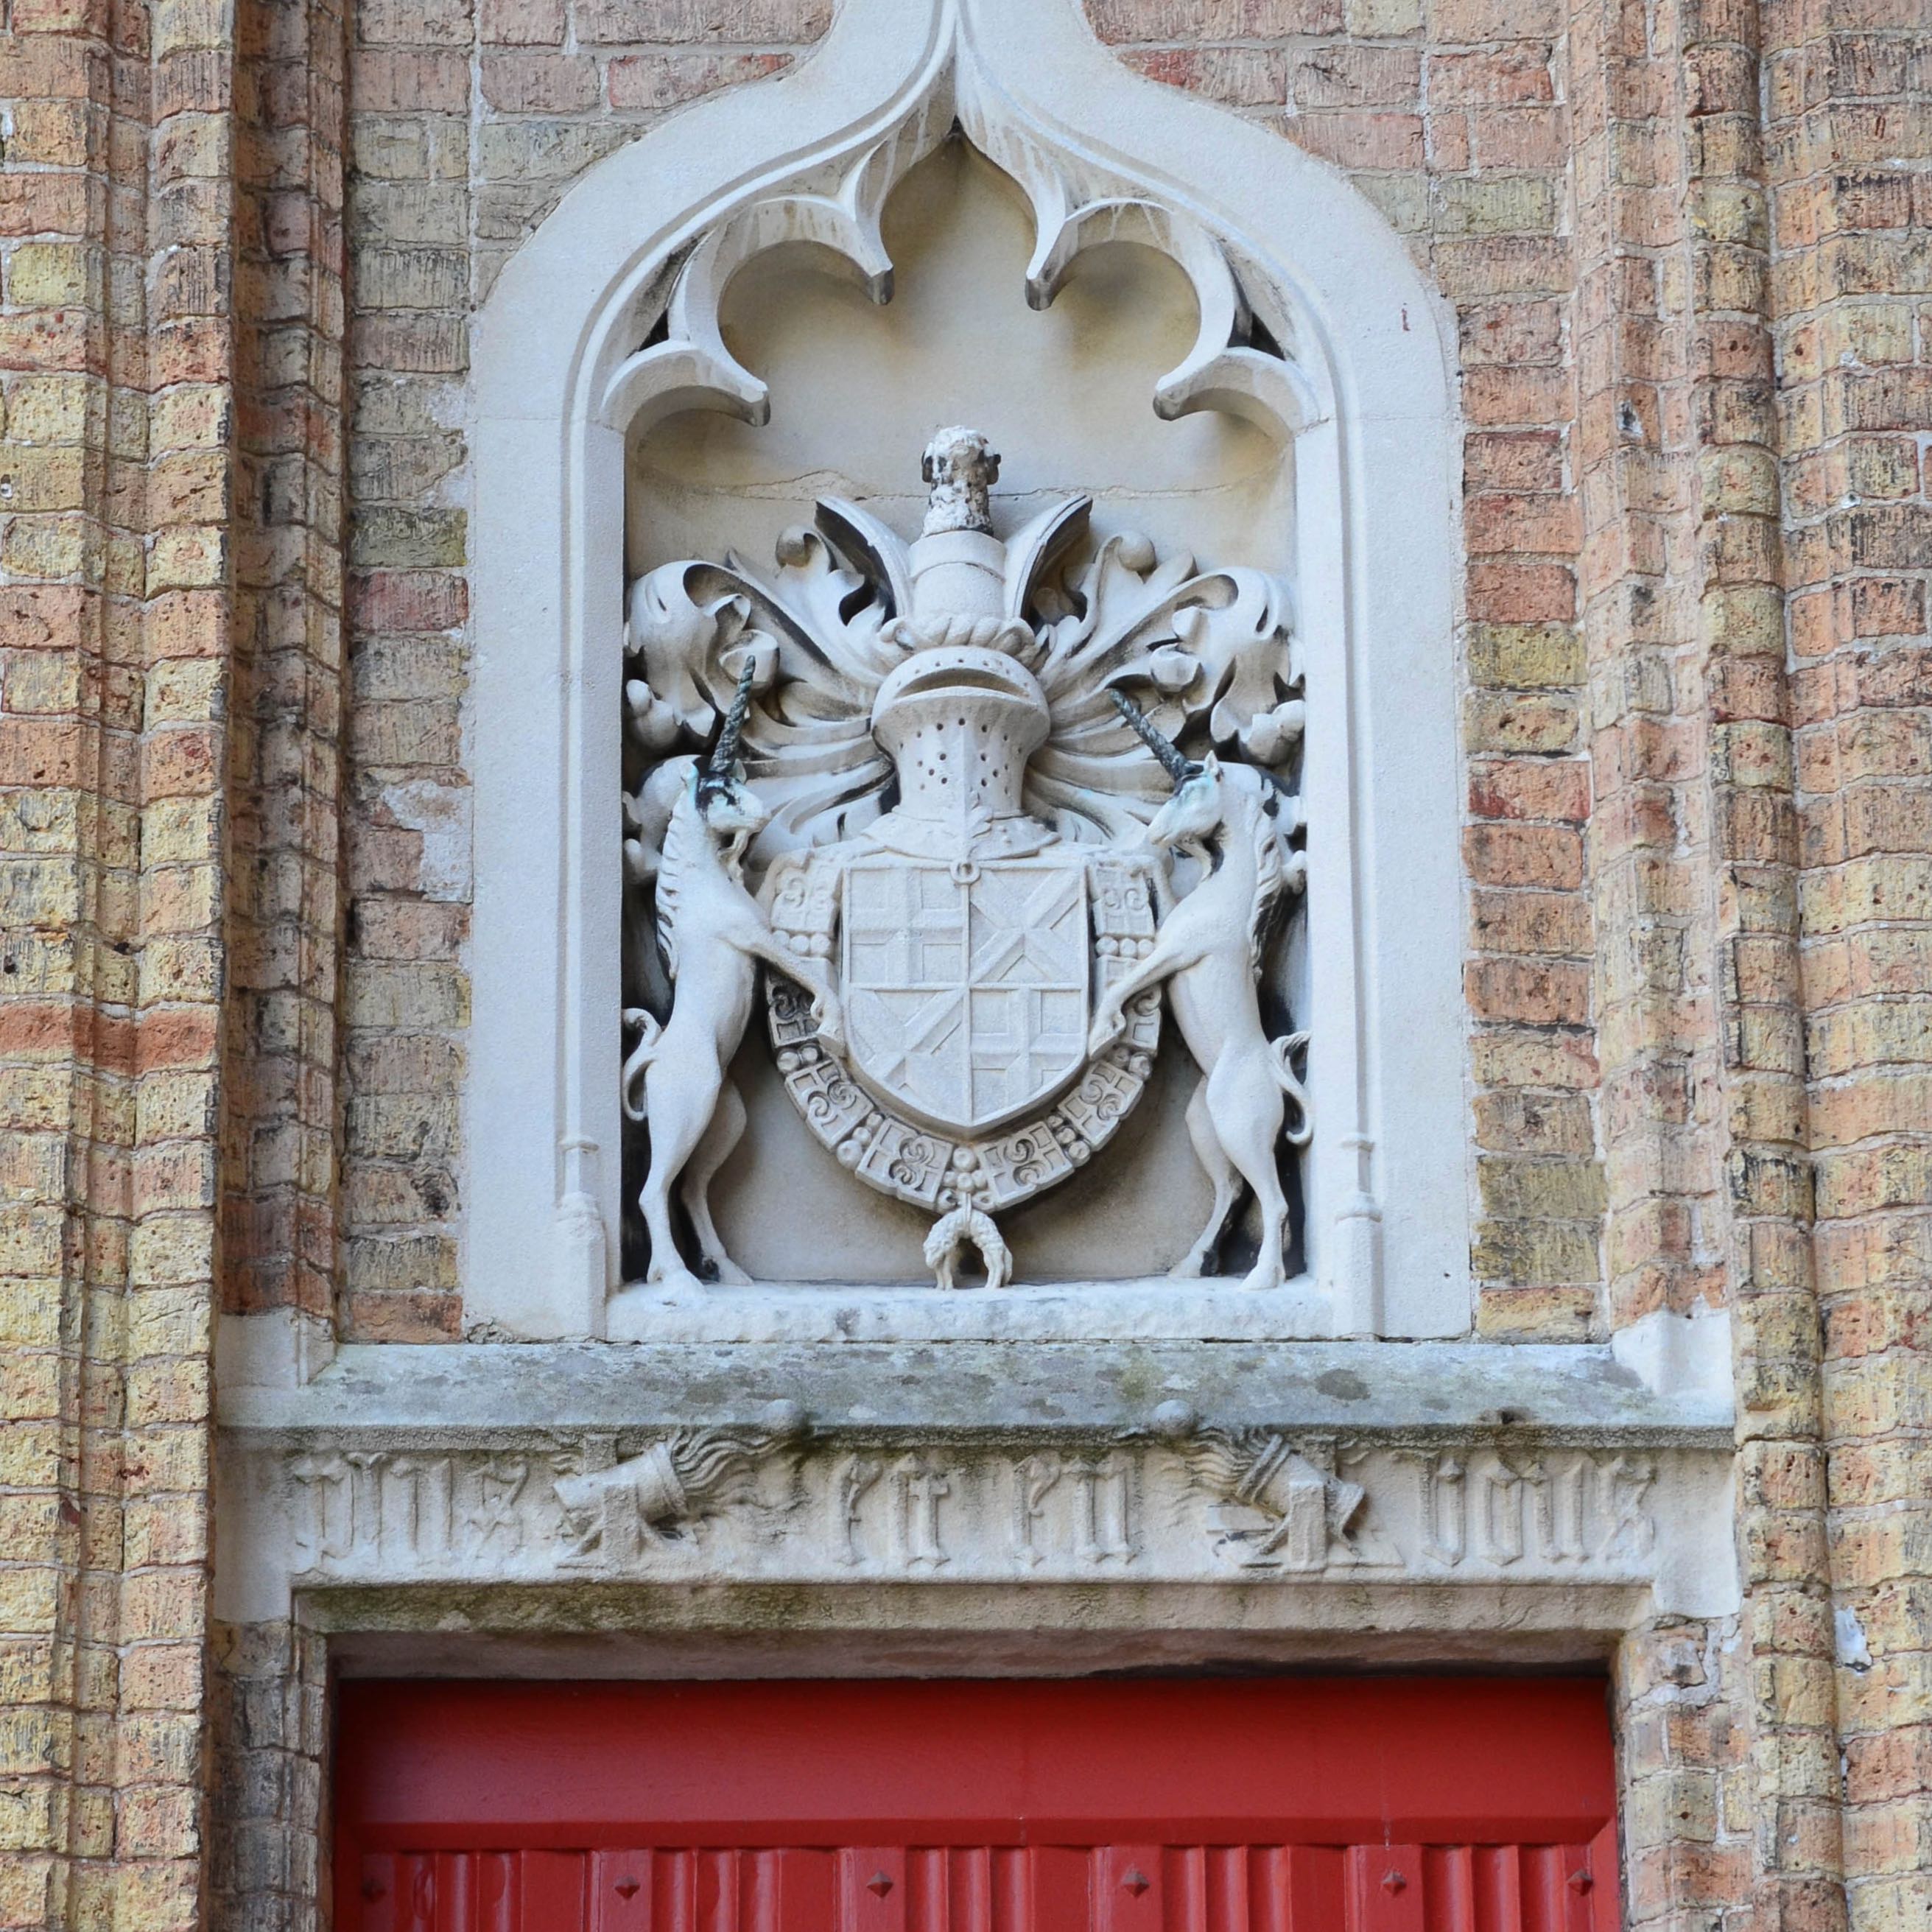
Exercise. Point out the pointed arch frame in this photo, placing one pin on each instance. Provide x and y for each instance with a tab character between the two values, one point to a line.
564	364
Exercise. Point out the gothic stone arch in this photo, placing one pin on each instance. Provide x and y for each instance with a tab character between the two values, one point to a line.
1312	321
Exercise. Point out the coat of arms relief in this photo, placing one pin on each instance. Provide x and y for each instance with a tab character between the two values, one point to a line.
971	816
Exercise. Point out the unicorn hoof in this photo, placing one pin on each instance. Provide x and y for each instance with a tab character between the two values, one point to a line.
677	1279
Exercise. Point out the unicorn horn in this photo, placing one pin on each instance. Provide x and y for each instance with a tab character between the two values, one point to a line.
1177	768
717	773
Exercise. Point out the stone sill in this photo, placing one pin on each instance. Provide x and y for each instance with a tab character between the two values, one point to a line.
1432	1390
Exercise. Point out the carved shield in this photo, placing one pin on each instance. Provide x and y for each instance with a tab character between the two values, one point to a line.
966	984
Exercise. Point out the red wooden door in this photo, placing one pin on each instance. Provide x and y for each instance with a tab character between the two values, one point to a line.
1279	1805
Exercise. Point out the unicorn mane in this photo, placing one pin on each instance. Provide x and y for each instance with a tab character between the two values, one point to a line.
1269	873
683	833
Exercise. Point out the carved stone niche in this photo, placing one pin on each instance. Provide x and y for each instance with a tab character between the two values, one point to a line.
1005	907
946	793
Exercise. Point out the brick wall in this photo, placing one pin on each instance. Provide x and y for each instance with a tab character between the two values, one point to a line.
464	130
1687	248
1849	162
116	529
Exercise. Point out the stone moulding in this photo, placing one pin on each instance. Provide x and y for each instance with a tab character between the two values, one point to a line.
1315	1508
1313	322
1628	1500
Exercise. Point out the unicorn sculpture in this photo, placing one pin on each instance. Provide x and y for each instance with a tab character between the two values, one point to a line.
1208	953
713	934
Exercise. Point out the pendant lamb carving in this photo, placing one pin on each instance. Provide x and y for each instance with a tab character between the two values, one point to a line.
953	847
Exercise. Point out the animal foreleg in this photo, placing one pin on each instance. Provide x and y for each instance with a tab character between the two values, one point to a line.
825	1007
994	1255
713	1150
1221	1177
1110	1017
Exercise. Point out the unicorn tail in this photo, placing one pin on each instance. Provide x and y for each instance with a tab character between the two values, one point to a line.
649	1033
1301	1129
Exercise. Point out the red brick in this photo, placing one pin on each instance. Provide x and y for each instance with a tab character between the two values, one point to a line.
1521	593
1558	790
668	80
1512	75
529	23
1524	855
407	601
1360	140
386	80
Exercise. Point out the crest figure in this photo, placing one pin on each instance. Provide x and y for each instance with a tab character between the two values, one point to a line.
947	812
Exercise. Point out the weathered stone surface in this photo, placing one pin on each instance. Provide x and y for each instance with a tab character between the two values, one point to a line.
1687	273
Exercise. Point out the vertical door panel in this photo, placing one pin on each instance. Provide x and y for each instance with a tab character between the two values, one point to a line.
1316	1887
807	1891
620	1891
1010	1871
1385	1888
1059	1890
495	1891
1129	1889
551	1892
872	1888
375	1892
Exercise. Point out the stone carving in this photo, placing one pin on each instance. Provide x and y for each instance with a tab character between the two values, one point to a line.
1287	1507
1209	952
1105	1527
966	861
1497	1510
772	1502
923	1486
966	1226
1246	359
713	933
1034	1479
612	1512
856	1476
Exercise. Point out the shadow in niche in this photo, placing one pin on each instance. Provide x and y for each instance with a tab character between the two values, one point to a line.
1065	396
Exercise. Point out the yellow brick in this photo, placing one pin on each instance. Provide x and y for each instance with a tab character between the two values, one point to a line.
50	408
190	558
50	547
184	690
1506	204
181	831
1379	17
30	1606
43	682
49	274
189	418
